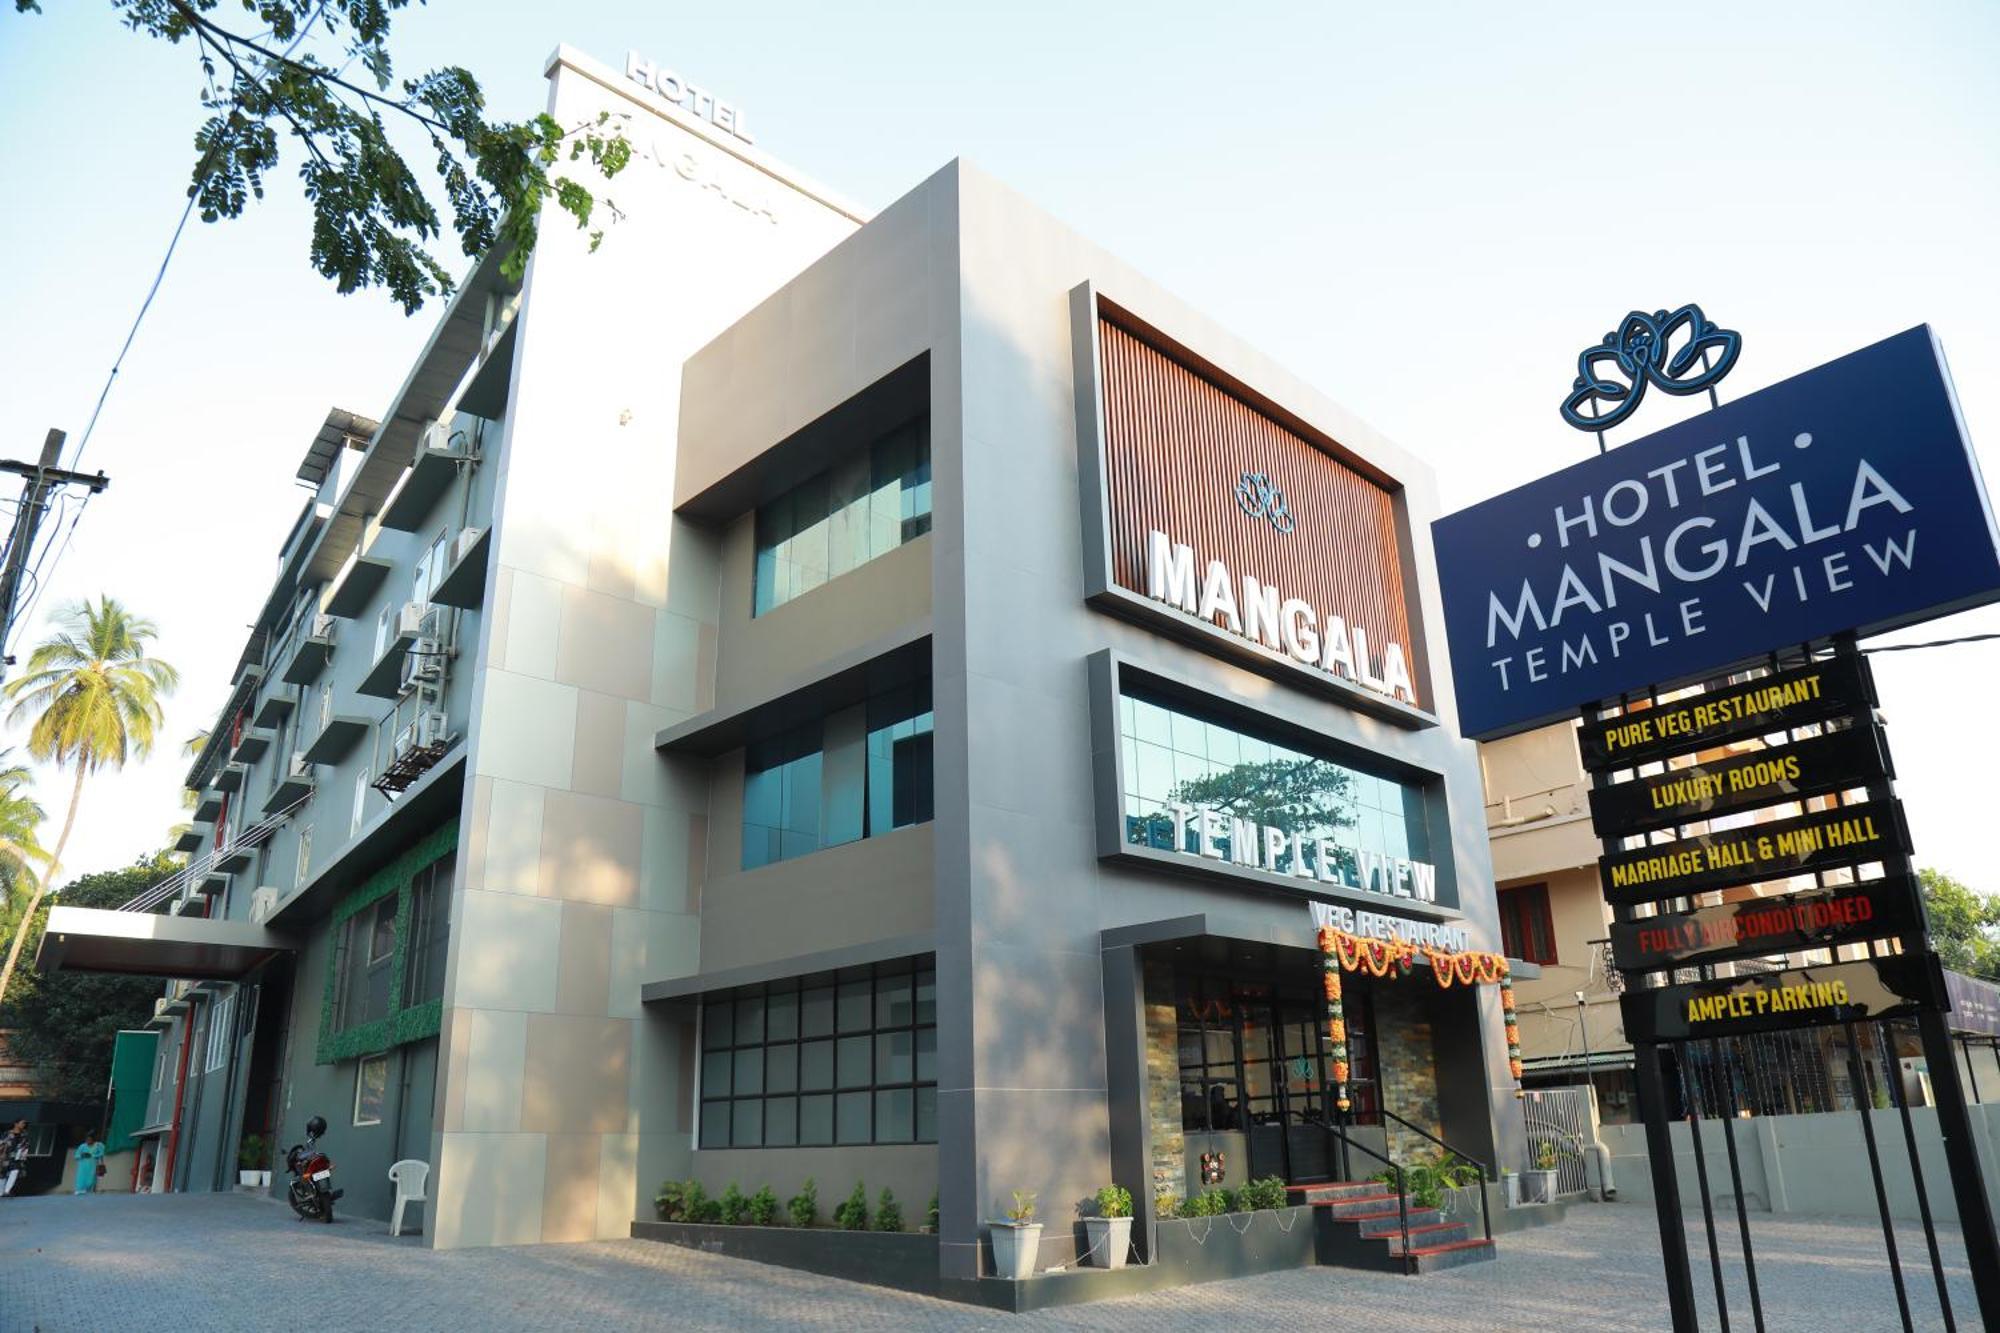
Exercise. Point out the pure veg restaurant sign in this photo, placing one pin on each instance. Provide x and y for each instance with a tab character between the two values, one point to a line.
1844	498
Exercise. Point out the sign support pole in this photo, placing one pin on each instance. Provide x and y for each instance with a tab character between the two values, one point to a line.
1660	1154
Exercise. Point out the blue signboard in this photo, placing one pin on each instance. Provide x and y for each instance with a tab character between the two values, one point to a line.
1845	498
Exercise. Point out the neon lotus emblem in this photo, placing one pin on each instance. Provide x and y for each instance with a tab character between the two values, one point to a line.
1257	497
1671	351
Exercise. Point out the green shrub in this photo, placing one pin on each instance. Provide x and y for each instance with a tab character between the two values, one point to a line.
1266	1193
254	1154
698	1207
853	1215
733	1205
804	1206
671	1201
888	1213
1166	1205
1211	1202
930	1214
763	1208
1114	1201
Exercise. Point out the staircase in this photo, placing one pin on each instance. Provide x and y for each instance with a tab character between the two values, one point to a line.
1359	1225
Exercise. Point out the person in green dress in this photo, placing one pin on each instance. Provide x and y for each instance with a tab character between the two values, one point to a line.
88	1154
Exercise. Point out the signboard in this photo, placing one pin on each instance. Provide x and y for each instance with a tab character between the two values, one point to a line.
1834	761
1817	919
1830	688
1721	859
1843	499
1231	526
1893	987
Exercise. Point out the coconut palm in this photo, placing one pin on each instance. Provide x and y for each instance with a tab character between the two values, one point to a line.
92	698
190	798
20	820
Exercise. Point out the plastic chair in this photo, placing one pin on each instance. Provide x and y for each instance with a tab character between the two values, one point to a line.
409	1176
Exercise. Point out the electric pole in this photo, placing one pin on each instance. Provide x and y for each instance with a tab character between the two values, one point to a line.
44	478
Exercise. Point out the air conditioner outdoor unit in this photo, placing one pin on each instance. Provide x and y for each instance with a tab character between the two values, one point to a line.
423	665
322	627
464	542
431	729
437	435
299	768
406	740
410	620
159	1006
263	902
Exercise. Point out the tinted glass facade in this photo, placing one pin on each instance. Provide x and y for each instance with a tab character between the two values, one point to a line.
1173	754
860	772
845	1058
863	507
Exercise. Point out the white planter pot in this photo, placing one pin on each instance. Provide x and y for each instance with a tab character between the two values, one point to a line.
264	1179
1015	1248
1512	1183
1110	1240
247	1178
1541	1186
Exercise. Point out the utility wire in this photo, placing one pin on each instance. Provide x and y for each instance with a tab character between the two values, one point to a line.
118	364
1934	643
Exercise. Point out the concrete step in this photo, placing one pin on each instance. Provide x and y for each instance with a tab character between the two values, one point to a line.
1359	1205
1437	1258
1430	1237
1389	1222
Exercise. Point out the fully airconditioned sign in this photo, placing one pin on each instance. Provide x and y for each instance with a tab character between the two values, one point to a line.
1845	498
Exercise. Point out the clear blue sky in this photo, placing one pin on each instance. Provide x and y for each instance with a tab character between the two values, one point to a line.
1424	209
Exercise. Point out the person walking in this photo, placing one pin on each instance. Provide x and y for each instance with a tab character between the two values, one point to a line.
89	1154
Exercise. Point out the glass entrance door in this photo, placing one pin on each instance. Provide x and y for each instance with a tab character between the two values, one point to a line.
1285	1090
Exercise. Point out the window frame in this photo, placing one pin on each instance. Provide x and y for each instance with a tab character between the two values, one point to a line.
717	1117
773	582
1527	924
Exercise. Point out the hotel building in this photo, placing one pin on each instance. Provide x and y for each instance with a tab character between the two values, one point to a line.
798	694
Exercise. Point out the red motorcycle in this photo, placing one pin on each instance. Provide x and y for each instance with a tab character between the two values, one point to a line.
311	1192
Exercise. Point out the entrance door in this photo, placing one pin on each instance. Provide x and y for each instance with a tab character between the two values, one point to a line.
1285	1090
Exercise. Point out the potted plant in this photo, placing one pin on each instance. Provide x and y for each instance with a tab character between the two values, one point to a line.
1510	1182
1017	1240
250	1158
1110	1232
1541	1186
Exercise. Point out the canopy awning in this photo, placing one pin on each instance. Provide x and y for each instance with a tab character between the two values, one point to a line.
94	939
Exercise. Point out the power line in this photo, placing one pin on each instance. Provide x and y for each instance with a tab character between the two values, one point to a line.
1934	643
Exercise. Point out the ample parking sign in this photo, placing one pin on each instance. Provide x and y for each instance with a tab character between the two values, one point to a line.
1845	498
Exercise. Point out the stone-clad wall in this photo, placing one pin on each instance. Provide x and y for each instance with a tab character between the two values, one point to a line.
1408	1062
1163	1084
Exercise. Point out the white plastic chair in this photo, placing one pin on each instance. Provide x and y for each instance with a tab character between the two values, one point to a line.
409	1176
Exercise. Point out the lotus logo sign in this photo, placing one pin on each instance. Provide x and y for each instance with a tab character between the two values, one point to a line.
1257	497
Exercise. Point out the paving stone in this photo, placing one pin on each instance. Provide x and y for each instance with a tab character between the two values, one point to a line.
231	1263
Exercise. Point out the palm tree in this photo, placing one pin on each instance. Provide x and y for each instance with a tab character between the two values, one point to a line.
20	819
190	798
93	699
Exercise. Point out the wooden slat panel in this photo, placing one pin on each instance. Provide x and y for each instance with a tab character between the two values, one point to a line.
1175	446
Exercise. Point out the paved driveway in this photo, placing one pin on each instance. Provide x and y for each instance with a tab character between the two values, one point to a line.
194	1263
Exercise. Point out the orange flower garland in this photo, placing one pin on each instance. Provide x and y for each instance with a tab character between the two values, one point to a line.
1352	953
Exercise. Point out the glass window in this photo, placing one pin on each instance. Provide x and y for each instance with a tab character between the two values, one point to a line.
1175	756
781	781
899	758
868	504
430	931
788	786
774	1073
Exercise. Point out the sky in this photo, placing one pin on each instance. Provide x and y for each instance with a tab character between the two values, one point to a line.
1425	210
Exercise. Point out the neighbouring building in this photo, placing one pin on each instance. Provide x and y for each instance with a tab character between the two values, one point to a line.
798	694
1552	913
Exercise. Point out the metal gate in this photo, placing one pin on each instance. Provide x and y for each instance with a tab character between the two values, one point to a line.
1567	1119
